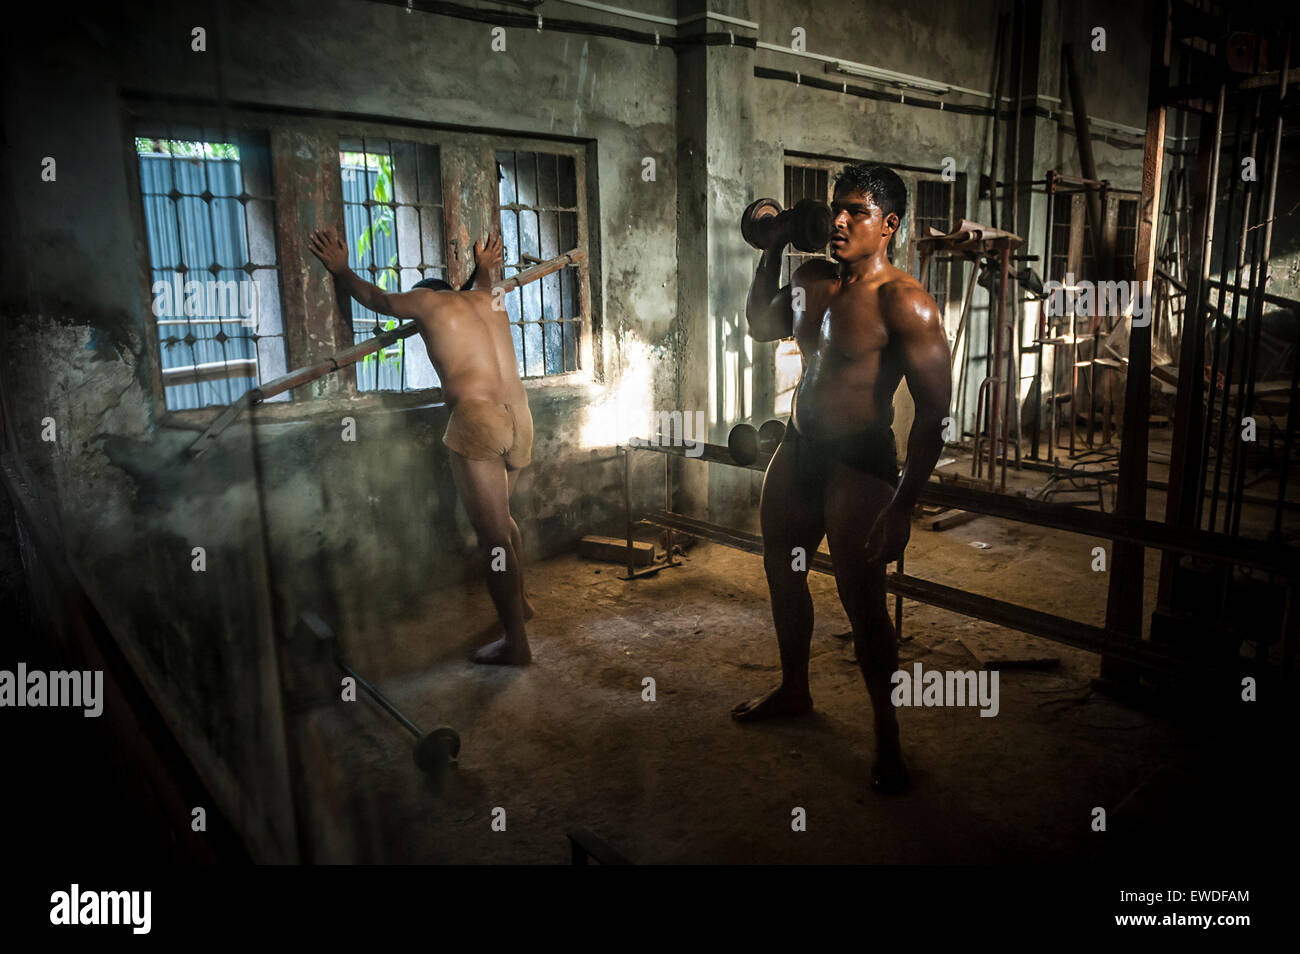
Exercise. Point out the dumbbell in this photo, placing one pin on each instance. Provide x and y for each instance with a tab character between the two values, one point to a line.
434	751
770	434
745	442
807	226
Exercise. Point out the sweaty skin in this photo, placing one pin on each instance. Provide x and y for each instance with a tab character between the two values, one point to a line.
864	325
470	346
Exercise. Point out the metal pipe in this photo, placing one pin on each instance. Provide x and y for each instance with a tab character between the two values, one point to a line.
995	392
380	698
981	413
1232	335
898	606
1259	272
1292	410
627	510
1045	329
1024	619
1083	137
962	341
999	56
1216	547
1213	397
1017	115
1184	458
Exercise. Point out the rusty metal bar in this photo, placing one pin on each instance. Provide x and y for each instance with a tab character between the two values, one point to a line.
1280	300
1083	139
1124	593
1236	290
210	371
1219	323
1021	618
1141	532
999	57
1259	275
1185	475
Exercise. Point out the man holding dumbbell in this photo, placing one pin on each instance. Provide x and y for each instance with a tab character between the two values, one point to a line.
862	325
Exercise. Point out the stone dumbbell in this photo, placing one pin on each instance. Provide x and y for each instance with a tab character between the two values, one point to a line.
807	226
746	443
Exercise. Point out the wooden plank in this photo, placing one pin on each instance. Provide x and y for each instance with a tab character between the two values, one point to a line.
952	518
1009	650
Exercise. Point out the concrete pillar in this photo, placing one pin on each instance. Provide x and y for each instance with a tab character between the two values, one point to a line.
724	372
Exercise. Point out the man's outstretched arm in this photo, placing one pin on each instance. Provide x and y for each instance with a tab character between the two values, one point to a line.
917	326
327	246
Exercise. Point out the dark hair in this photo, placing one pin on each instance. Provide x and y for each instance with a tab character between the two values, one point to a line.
878	181
437	284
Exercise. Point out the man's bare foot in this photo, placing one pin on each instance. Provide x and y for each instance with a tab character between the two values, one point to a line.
503	652
889	775
779	702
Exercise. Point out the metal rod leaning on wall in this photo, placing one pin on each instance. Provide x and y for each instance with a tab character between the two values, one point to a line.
961	343
349	356
1124	592
1045	332
1211	425
1233	329
1260	269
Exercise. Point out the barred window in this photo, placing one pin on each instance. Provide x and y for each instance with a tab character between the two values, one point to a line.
936	207
393	226
538	199
1072	241
209	215
1126	226
228	197
1062	228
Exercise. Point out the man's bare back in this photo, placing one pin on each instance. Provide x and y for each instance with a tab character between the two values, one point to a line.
490	430
470	346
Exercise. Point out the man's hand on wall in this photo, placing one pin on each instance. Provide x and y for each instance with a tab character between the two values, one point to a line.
327	246
488	256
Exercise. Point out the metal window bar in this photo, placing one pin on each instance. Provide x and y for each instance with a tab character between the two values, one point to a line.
205	382
934	207
215	269
538	203
414	214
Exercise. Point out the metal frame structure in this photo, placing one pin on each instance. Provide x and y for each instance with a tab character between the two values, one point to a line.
1115	645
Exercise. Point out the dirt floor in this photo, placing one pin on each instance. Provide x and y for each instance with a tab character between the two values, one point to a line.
569	742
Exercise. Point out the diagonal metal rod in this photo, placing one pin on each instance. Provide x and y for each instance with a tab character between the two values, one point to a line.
349	356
